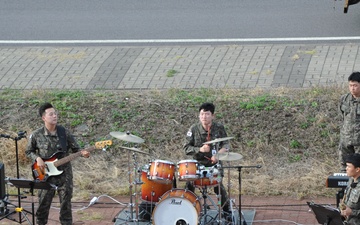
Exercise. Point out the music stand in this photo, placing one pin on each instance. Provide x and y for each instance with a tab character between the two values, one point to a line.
326	215
31	184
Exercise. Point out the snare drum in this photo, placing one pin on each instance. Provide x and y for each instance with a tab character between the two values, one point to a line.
151	191
177	206
209	177
188	170
161	171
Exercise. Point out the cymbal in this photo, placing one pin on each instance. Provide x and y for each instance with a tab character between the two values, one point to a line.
135	150
127	137
218	140
229	156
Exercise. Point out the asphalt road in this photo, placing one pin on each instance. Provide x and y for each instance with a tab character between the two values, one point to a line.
264	64
172	19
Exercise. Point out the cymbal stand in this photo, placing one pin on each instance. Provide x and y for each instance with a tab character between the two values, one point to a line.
214	151
219	197
21	134
242	219
136	182
131	189
231	201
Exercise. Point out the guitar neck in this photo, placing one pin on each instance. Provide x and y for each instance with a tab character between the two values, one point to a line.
71	157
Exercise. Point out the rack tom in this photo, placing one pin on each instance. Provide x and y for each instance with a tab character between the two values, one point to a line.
188	170
161	171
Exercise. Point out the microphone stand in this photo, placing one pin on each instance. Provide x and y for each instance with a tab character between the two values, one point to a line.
239	170
21	134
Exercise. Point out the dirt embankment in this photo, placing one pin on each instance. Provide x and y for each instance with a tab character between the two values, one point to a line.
291	134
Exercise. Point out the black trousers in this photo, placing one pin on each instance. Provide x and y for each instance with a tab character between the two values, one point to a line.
224	198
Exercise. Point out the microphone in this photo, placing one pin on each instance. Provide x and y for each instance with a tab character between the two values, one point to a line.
21	133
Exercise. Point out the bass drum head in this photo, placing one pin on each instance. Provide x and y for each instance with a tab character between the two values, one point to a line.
176	210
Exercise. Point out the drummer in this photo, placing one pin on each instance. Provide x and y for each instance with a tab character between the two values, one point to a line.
203	131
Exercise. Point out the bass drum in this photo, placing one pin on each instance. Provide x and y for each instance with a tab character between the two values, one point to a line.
177	206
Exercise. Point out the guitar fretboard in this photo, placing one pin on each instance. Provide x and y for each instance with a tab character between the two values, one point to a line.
71	157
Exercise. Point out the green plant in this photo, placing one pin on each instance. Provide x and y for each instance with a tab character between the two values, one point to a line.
295	158
250	143
295	144
262	102
304	125
76	122
324	133
171	73
314	104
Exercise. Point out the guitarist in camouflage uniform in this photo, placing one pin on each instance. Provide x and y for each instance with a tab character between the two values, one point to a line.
43	143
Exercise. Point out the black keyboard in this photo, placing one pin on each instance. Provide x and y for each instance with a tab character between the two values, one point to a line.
337	180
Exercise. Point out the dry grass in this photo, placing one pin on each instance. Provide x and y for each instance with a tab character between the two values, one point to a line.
292	134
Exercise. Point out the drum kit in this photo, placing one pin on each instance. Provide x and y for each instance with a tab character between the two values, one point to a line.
162	203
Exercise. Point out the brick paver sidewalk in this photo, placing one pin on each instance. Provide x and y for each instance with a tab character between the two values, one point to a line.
269	210
163	67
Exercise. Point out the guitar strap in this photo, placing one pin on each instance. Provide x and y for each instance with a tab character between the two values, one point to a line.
62	137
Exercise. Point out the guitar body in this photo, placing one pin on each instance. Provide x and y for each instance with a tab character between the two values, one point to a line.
50	168
52	163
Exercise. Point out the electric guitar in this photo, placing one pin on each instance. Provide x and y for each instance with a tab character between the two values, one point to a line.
53	162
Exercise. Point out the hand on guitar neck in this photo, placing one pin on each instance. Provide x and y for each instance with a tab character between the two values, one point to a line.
44	168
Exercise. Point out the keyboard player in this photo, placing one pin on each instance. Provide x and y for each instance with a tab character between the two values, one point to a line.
350	205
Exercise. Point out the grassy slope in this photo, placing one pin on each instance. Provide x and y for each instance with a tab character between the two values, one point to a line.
292	134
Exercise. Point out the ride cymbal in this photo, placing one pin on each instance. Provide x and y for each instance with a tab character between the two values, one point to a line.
127	137
135	150
229	156
218	140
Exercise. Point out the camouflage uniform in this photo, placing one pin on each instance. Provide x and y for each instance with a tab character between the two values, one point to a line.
352	200
350	130
195	138
43	144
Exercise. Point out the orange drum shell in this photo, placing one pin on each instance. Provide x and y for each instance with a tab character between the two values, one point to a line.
188	170
206	182
161	171
149	187
183	193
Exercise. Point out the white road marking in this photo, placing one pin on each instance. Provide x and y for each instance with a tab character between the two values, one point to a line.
144	41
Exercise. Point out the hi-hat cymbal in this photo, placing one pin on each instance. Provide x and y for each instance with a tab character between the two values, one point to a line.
135	150
229	156
218	140
127	137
